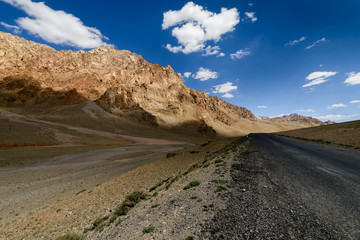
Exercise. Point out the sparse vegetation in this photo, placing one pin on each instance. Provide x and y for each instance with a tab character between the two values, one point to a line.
220	188
99	223
130	201
148	229
192	184
159	184
71	236
346	134
219	181
191	168
155	205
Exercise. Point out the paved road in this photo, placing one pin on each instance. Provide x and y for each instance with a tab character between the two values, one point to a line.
293	189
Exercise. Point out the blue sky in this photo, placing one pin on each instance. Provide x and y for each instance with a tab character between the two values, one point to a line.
272	57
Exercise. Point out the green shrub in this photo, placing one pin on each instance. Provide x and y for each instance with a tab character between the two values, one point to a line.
148	229
192	184
156	186
220	188
129	202
219	181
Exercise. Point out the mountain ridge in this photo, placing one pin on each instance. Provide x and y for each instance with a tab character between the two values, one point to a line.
121	82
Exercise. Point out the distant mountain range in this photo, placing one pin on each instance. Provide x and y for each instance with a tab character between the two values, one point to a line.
125	85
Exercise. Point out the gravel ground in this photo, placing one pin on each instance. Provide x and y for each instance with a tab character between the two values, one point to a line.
177	213
262	206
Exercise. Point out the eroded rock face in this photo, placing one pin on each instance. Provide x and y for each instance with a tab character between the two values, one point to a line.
117	80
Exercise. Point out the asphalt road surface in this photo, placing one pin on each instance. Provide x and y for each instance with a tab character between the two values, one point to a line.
292	189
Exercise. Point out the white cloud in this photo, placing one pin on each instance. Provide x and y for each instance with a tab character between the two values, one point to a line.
317	78
251	16
227	95
337	117
355	101
205	74
56	27
194	27
224	88
262	106
251	4
187	74
294	42
306	110
14	29
240	54
323	40
215	50
353	78
338	105
321	65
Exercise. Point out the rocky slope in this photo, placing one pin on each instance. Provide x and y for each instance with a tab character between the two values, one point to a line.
117	80
301	119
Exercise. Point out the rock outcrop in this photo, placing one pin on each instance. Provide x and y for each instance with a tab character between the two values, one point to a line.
119	81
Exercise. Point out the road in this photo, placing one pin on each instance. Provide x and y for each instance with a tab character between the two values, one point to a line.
292	189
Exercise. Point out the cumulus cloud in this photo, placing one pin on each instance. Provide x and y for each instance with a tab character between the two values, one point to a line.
193	26
294	42
323	40
14	29
250	16
227	95
225	88
353	78
338	105
55	26
205	74
240	54
317	78
213	50
187	74
251	4
306	110
355	101
262	106
337	117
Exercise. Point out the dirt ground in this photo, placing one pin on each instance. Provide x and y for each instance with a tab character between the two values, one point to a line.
347	133
58	195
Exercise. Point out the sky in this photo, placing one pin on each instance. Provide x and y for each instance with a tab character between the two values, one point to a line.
272	57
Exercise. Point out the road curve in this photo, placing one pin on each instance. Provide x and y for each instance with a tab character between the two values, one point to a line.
292	189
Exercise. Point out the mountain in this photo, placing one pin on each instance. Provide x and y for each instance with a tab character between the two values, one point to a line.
121	83
117	80
297	117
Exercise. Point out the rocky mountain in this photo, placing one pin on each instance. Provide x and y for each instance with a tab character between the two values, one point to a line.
310	121
117	80
295	117
120	82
